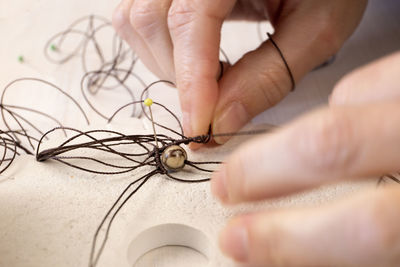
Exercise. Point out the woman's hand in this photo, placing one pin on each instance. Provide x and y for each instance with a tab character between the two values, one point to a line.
357	136
179	40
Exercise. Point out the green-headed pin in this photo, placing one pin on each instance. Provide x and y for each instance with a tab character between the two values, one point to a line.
53	47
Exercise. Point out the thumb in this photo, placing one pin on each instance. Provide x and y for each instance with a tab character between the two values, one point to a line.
260	79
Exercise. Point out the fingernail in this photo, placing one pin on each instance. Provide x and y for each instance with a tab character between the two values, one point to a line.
195	146
231	120
187	128
234	242
218	185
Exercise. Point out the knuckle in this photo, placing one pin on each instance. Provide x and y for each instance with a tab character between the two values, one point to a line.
185	85
191	77
184	82
144	18
328	142
268	86
329	36
182	13
275	89
180	16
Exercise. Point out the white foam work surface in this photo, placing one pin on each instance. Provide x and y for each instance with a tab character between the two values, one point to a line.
49	212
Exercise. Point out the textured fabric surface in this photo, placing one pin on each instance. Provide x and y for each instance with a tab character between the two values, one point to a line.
49	212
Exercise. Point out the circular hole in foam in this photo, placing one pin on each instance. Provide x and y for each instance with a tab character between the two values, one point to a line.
169	245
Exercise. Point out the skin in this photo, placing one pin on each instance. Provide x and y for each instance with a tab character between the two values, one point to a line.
356	136
179	40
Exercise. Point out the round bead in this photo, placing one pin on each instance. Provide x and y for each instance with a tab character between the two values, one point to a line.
148	102
53	47
173	158
21	59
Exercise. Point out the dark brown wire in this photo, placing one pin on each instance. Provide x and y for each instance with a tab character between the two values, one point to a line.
115	145
111	70
292	80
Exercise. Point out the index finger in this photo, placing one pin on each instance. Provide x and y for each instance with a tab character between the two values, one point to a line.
195	27
320	148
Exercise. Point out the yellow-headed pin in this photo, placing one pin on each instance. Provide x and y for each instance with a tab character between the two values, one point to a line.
148	102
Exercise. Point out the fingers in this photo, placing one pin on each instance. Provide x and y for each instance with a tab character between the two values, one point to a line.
195	27
322	147
122	24
362	231
179	40
260	79
149	19
376	81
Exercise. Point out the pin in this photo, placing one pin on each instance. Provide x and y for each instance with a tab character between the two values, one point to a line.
53	47
21	59
148	102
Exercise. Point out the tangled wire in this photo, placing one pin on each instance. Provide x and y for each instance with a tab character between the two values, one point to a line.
103	151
